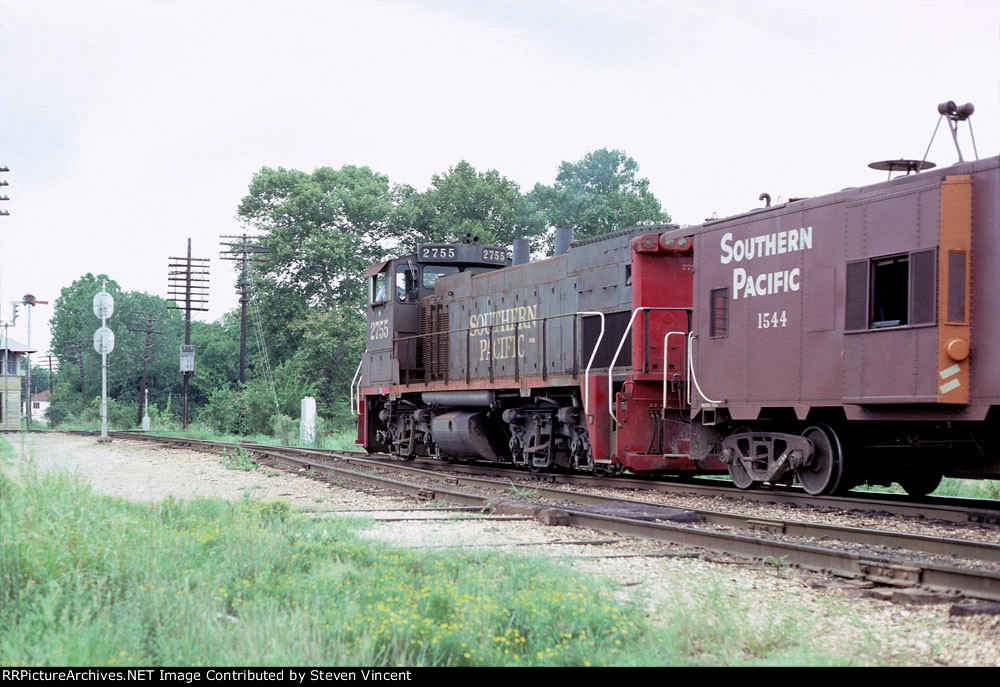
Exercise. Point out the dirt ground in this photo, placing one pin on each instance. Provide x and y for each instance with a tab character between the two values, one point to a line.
659	574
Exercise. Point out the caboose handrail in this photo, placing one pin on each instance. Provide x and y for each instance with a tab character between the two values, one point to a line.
621	344
694	378
593	354
666	339
357	378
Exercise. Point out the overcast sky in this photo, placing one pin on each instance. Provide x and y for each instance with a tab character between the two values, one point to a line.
131	125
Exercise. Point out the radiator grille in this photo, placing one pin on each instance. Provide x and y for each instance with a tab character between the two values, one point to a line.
614	325
433	348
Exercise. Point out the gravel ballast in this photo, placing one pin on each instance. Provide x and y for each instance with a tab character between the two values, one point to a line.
661	575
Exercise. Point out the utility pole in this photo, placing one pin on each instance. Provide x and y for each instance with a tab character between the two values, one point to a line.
76	351
145	322
50	359
188	287
244	249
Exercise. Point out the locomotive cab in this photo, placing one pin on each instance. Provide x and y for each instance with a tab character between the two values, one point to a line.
396	289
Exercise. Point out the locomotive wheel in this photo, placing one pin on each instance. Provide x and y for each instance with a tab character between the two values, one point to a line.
823	476
920	481
605	470
737	472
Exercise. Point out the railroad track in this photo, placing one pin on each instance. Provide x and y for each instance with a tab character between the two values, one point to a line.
947	509
775	539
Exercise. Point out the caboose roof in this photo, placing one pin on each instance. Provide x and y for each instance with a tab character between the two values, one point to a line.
920	178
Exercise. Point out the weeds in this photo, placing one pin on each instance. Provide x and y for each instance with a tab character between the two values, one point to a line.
780	563
239	458
91	580
522	493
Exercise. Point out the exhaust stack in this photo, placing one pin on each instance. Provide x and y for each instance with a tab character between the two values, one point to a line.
522	251
564	237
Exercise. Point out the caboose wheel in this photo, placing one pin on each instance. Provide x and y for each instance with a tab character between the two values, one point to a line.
823	476
740	476
737	472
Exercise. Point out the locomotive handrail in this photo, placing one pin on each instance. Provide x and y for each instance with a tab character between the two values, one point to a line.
593	354
357	378
621	344
694	377
665	351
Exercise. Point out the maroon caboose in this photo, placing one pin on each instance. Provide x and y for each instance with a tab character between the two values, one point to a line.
840	339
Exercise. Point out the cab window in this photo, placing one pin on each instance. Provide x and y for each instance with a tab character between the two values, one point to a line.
378	288
406	284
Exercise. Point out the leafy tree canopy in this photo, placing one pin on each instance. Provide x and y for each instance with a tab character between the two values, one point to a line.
73	324
463	201
597	195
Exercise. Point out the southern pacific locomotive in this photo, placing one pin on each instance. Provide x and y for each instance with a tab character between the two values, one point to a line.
832	341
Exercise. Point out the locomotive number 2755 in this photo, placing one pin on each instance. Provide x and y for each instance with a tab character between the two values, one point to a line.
430	252
379	329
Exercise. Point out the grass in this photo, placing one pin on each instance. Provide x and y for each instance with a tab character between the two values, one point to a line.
950	486
522	493
94	580
238	458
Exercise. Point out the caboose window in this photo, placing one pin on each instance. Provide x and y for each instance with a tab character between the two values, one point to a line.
719	325
890	281
891	291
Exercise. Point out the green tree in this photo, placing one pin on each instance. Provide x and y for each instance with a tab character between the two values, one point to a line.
463	201
73	324
597	195
217	357
323	229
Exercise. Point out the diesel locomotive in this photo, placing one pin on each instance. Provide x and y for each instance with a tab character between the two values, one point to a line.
830	341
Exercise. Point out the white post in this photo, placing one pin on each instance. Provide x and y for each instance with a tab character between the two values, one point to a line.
307	421
104	375
145	411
